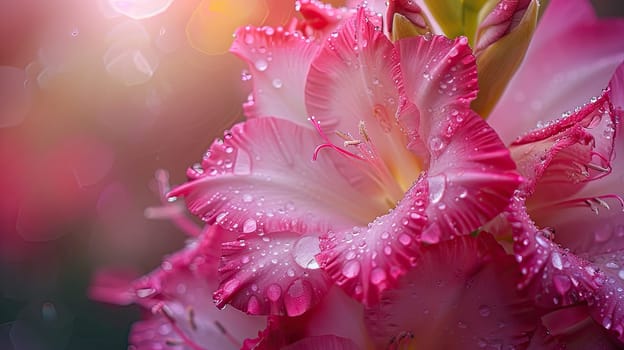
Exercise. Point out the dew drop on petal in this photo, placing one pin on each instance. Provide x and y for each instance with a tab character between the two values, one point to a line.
405	239
378	275
305	250
351	269
555	259
437	187
298	298
249	226
274	292
277	83
253	306
261	65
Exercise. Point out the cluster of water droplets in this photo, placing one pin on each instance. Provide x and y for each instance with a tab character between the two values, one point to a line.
272	274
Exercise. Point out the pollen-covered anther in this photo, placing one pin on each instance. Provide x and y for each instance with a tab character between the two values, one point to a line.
592	202
362	130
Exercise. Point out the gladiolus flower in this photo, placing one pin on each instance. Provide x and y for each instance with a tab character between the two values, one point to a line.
365	204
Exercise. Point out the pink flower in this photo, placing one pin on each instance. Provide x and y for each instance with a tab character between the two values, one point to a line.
356	214
567	220
364	204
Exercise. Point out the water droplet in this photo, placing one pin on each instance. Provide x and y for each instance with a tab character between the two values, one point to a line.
261	65
351	269
387	250
249	226
304	252
378	275
437	187
555	259
221	217
621	274
274	292
277	83
612	265
253	306
405	239
436	144
298	298
247	198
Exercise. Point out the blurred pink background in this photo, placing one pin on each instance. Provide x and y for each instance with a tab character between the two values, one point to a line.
95	96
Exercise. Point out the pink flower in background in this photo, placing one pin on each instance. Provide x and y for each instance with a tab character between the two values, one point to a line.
364	204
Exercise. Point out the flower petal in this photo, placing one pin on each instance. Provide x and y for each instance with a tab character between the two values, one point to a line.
571	328
336	315
554	276
351	89
438	80
572	55
279	62
447	301
471	174
261	178
320	19
364	261
274	274
176	296
567	152
470	179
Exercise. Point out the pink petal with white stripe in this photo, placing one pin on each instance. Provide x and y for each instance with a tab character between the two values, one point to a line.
261	178
365	261
572	56
279	62
351	90
447	301
274	274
